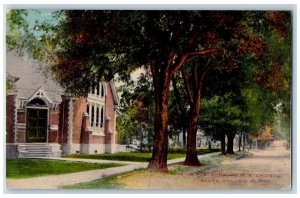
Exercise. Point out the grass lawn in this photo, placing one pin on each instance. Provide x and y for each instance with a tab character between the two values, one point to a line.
137	156
114	181
26	168
126	156
109	182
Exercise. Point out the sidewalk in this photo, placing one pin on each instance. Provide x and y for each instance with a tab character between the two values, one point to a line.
268	169
54	181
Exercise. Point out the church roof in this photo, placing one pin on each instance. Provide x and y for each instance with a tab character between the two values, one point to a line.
30	77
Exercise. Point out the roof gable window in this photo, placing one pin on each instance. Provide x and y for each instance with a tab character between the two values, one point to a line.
37	102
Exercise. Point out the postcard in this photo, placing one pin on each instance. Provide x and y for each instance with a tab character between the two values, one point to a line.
192	99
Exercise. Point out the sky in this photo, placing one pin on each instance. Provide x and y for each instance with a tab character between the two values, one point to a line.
40	16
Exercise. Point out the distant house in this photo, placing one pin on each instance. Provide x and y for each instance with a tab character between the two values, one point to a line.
42	120
202	140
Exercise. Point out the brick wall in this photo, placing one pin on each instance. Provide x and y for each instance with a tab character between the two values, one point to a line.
86	136
9	118
21	137
53	135
21	133
81	122
110	113
84	139
79	107
63	120
21	116
54	117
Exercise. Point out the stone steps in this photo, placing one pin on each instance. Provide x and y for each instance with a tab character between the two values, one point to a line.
31	150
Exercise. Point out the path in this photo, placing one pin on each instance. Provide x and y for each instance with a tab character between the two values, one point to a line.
263	169
54	181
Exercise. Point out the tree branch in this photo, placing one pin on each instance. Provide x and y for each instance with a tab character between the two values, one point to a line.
186	55
177	96
179	64
171	58
196	76
187	86
205	71
197	96
202	52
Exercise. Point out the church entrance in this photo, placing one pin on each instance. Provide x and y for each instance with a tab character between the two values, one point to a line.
37	122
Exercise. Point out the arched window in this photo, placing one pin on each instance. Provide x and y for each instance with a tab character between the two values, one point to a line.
98	90
95	108
93	89
102	117
102	90
93	116
97	117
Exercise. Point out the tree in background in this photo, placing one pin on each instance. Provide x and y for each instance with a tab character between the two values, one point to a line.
265	74
269	96
137	112
178	108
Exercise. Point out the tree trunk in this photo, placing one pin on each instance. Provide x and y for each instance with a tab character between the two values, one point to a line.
184	134
158	162
244	141
230	137
191	152
149	140
222	143
194	97
240	141
141	139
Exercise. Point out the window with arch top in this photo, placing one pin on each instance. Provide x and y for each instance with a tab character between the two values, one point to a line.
95	108
99	90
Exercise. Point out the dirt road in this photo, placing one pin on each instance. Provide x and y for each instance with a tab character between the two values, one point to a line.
259	169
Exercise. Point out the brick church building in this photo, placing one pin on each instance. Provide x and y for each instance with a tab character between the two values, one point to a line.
43	121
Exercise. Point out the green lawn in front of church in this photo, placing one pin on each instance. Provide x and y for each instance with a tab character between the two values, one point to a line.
124	156
138	156
26	168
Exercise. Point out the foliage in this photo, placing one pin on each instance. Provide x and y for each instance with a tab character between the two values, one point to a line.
270	94
9	85
26	168
28	32
266	134
137	111
261	81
